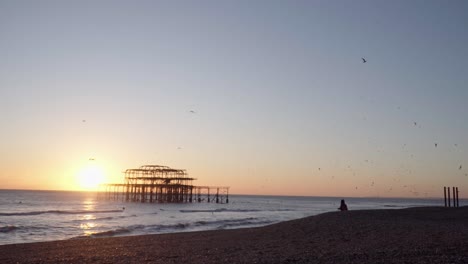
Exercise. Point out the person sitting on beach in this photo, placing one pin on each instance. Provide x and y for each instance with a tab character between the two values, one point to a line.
343	206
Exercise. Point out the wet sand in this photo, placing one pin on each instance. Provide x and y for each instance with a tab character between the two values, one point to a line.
417	235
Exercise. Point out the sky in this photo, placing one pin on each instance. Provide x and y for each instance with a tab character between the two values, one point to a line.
267	97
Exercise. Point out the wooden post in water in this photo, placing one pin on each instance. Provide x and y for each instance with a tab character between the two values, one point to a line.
457	196
445	196
449	196
454	197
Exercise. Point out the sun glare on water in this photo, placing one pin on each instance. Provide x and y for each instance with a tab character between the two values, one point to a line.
90	177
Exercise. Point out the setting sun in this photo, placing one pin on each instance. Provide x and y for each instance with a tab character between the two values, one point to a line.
90	177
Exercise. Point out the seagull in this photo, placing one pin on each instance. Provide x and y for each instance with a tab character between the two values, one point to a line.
415	123
363	60
435	144
193	112
460	167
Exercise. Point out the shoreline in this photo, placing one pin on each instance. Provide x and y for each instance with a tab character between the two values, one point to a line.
411	235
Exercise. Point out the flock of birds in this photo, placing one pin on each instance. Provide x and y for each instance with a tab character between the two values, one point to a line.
364	60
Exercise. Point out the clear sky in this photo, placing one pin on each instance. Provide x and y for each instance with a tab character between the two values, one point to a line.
282	101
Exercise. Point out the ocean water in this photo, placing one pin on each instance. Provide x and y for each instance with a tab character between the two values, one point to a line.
33	216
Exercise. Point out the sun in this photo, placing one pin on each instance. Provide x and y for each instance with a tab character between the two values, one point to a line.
90	177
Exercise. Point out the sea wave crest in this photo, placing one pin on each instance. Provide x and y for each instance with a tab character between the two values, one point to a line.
8	229
233	210
60	212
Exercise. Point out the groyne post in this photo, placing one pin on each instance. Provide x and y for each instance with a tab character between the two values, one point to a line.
448	197
454	197
445	196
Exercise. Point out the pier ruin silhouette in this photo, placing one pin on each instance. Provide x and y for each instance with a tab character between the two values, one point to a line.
161	184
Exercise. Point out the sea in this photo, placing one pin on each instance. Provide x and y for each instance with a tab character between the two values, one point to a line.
36	216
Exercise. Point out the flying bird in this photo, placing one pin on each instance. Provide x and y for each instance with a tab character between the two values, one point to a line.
91	158
415	123
193	112
363	60
460	167
435	144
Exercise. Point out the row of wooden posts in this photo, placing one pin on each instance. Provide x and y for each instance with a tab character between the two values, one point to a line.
447	197
154	193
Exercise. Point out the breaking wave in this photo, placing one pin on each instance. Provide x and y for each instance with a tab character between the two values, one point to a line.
231	223
107	218
7	229
233	210
179	227
109	233
60	212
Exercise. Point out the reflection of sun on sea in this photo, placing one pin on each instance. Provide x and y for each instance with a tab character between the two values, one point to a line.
90	177
88	225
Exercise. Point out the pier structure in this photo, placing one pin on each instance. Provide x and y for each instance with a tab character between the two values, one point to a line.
161	184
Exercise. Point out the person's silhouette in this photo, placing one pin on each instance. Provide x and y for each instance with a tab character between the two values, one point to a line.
343	206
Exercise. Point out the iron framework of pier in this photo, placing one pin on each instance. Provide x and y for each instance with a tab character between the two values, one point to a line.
161	184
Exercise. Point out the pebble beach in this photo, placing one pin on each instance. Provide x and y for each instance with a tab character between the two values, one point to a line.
414	235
